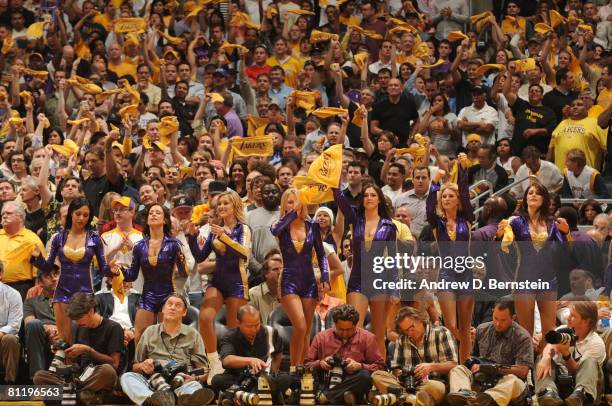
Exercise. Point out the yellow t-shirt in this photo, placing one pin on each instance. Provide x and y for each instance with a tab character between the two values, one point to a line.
15	253
291	66
604	99
583	134
403	231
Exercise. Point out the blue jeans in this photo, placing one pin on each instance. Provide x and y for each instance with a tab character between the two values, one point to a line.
136	387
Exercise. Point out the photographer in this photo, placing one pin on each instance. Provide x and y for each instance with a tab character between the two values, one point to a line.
359	354
95	356
168	343
504	343
248	346
580	355
419	336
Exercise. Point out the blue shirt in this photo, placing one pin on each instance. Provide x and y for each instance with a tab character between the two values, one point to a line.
280	95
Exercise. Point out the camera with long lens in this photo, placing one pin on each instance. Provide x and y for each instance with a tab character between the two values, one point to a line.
336	374
562	335
245	391
306	393
395	396
167	377
59	359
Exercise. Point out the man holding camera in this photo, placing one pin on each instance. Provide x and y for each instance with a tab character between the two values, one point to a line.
503	355
91	364
249	346
357	352
163	348
418	336
580	355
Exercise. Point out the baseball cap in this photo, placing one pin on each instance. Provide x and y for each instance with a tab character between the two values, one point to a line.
220	71
183	201
478	89
124	201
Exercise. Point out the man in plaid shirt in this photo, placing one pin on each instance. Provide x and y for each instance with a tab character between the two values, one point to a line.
429	349
502	341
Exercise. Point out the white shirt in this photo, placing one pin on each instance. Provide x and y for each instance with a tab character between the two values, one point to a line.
121	313
391	194
11	310
378	65
486	114
549	175
113	239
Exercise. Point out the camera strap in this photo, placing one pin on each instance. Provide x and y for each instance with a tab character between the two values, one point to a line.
167	349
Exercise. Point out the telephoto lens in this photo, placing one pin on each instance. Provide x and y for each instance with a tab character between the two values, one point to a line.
561	336
157	382
59	358
247	398
384	399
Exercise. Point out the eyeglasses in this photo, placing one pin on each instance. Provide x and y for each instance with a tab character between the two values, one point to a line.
17	160
120	209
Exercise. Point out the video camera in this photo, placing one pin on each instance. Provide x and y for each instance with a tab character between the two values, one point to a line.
167	378
562	335
246	390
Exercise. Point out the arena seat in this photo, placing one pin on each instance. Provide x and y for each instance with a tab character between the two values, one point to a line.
279	320
192	318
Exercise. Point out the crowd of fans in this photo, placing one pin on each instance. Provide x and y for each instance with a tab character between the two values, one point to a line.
179	179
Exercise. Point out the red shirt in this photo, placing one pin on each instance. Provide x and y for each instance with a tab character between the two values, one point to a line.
361	347
253	71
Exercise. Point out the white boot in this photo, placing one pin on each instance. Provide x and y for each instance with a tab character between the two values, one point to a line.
216	367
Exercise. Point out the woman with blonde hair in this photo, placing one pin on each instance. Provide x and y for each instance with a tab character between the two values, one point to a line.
449	212
299	239
230	239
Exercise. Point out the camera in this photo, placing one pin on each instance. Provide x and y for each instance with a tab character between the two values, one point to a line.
246	390
336	374
167	378
562	335
395	395
409	380
306	393
59	359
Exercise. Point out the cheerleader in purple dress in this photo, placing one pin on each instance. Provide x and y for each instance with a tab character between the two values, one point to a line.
299	240
231	242
535	224
449	213
157	254
372	226
75	246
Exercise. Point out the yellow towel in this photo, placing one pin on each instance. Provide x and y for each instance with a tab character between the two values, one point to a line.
326	112
327	167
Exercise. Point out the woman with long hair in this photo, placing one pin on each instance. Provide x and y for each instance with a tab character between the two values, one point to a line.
75	246
299	239
157	254
449	213
441	126
536	230
371	223
237	173
505	159
230	239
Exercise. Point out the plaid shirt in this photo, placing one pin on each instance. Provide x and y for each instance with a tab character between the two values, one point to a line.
438	346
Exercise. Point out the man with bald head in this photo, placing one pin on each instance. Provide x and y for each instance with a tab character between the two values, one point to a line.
395	114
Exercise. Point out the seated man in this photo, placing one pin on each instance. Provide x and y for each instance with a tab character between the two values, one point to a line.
358	350
99	341
501	341
11	314
248	346
416	335
168	341
124	313
39	321
582	359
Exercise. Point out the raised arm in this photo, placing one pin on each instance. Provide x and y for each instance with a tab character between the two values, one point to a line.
200	254
345	207
283	223
432	199
112	172
464	193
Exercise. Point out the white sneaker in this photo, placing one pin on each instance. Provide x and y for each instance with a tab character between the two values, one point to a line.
216	367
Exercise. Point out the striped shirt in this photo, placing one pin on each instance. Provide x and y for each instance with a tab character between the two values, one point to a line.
438	346
511	347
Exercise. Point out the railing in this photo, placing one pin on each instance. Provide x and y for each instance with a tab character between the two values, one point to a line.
508	187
